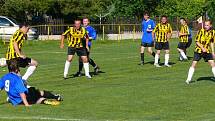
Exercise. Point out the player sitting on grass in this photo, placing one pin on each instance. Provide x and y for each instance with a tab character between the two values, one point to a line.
15	52
204	49
163	32
147	42
18	93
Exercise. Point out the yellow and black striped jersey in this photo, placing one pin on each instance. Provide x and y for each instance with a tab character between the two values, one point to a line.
205	38
184	30
18	37
76	37
214	35
162	31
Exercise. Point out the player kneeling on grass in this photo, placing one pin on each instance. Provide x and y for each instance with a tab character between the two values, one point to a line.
163	32
77	43
18	93
204	49
14	51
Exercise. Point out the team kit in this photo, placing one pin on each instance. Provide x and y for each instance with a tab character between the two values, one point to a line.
80	37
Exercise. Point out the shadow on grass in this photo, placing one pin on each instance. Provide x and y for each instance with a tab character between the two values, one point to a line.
212	79
82	74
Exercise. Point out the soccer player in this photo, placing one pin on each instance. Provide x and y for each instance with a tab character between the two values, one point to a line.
77	43
147	42
92	36
18	93
184	39
163	32
14	51
204	49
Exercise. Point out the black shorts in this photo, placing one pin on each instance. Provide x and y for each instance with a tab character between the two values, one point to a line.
32	96
162	45
199	56
189	42
80	51
21	62
147	44
182	45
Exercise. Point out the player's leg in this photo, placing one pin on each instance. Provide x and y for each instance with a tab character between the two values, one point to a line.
158	47
50	95
196	58
80	67
181	48
31	68
71	52
82	52
209	58
150	51
142	48
92	63
166	56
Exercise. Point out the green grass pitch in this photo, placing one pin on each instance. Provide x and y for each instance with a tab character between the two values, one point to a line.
126	91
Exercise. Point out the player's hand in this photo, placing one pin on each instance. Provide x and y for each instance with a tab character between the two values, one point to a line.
22	56
213	56
62	46
28	105
88	49
204	50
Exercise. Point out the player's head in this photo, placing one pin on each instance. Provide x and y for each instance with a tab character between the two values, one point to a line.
163	19
77	23
24	27
86	22
183	21
13	66
146	15
208	25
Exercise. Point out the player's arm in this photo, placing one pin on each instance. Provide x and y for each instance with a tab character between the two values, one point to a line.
16	48
63	37
87	40
198	38
169	35
24	100
154	31
94	35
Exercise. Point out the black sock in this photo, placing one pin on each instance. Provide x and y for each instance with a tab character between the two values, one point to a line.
49	95
91	62
153	54
142	57
43	101
80	66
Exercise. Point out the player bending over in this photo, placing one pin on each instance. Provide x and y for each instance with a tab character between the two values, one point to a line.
77	43
147	42
92	36
163	32
204	49
14	51
19	94
184	39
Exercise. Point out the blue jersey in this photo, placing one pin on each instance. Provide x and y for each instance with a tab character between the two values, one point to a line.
92	33
13	85
147	36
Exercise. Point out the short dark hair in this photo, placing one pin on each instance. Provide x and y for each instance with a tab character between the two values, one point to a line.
163	16
146	13
183	19
13	66
25	24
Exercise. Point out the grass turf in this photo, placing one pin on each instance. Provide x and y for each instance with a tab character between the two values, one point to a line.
126	91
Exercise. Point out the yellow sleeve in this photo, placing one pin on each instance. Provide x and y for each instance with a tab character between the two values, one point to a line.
156	28
170	29
198	36
66	32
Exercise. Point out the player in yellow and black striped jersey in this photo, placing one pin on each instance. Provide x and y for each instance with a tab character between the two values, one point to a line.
14	51
184	35
77	43
162	33
204	49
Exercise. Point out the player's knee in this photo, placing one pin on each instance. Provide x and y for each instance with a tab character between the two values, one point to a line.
34	63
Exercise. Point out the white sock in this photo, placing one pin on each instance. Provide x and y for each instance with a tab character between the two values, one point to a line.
190	73
66	68
180	57
86	68
183	55
29	72
156	58
166	59
213	70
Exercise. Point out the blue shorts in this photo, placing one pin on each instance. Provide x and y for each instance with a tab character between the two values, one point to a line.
147	44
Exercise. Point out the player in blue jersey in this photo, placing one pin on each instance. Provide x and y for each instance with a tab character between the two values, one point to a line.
147	41
18	93
92	36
